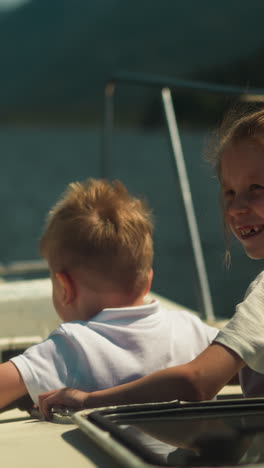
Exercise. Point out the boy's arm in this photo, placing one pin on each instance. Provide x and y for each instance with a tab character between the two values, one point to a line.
201	379
12	385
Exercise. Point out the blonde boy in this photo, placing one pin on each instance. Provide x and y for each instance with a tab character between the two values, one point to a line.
98	244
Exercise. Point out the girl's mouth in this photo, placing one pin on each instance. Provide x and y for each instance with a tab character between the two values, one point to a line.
250	231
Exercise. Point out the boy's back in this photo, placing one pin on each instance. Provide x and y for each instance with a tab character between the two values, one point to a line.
98	244
114	347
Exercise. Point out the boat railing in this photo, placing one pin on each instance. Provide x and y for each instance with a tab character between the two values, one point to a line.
23	268
166	86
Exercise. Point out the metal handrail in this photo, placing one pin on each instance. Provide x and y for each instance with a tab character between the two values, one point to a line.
188	204
181	85
166	85
24	267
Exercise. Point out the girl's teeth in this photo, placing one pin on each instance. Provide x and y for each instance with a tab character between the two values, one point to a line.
251	230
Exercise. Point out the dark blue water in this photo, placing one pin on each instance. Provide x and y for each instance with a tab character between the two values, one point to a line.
37	164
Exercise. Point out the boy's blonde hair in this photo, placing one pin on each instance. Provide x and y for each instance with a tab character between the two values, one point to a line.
98	226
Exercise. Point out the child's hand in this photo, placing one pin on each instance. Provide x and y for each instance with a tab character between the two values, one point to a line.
66	397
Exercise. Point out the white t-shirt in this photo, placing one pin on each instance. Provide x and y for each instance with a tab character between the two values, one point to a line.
114	347
244	334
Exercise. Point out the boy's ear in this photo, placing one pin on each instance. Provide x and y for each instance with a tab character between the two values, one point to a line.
149	282
68	289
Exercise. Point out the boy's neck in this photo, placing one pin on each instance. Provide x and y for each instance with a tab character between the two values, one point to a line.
88	309
91	294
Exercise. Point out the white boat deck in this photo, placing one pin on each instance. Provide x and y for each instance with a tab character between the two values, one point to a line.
30	443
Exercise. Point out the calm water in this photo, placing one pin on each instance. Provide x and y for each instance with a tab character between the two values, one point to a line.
38	163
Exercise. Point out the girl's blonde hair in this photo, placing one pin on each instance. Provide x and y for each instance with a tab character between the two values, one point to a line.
99	226
240	124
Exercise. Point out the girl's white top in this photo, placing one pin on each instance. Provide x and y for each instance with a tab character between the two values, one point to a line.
244	334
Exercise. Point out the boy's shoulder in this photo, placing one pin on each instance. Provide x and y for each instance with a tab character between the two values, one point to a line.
70	328
184	315
178	313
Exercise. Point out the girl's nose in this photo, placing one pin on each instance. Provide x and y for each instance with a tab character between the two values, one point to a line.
238	205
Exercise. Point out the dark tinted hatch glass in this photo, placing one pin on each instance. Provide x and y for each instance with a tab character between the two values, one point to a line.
215	433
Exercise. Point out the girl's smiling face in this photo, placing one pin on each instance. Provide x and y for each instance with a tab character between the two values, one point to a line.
242	183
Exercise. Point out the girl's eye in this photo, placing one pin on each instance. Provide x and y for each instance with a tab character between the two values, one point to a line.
228	193
256	187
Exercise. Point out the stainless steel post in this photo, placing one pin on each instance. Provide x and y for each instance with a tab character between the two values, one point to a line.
188	203
108	128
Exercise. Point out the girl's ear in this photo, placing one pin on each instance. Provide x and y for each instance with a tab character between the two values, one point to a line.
67	287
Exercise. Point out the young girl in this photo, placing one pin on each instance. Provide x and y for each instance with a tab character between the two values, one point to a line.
240	167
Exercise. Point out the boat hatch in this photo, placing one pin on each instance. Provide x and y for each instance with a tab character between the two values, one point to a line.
215	433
